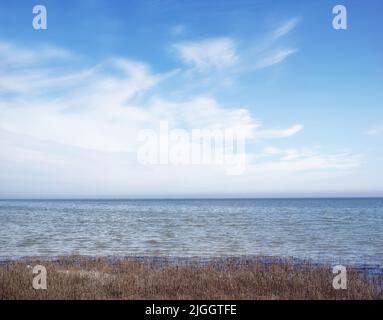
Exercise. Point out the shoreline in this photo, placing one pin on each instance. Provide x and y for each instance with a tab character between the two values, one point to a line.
153	277
370	268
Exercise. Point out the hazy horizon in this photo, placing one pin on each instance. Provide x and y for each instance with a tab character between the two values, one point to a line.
204	197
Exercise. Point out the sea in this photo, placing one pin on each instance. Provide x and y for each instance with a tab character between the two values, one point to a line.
333	230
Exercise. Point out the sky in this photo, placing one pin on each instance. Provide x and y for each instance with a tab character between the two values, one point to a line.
75	97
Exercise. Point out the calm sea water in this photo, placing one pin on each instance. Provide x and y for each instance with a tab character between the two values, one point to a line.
342	230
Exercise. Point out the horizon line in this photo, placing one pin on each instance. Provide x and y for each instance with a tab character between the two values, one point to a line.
189	198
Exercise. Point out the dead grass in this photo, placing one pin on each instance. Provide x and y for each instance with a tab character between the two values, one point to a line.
85	278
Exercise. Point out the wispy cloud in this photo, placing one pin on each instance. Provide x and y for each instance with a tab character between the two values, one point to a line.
270	52
213	53
285	28
13	57
236	56
64	123
305	159
98	108
274	58
19	65
279	133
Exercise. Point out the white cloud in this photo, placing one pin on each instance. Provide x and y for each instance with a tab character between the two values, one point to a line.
304	159
274	58
209	53
214	55
285	28
269	55
16	57
201	112
75	132
298	162
279	133
97	109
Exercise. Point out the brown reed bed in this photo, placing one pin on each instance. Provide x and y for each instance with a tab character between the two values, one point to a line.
101	278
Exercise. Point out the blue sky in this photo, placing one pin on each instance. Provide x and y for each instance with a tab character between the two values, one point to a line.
74	96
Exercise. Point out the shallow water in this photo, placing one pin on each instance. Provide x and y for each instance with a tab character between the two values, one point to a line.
333	230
